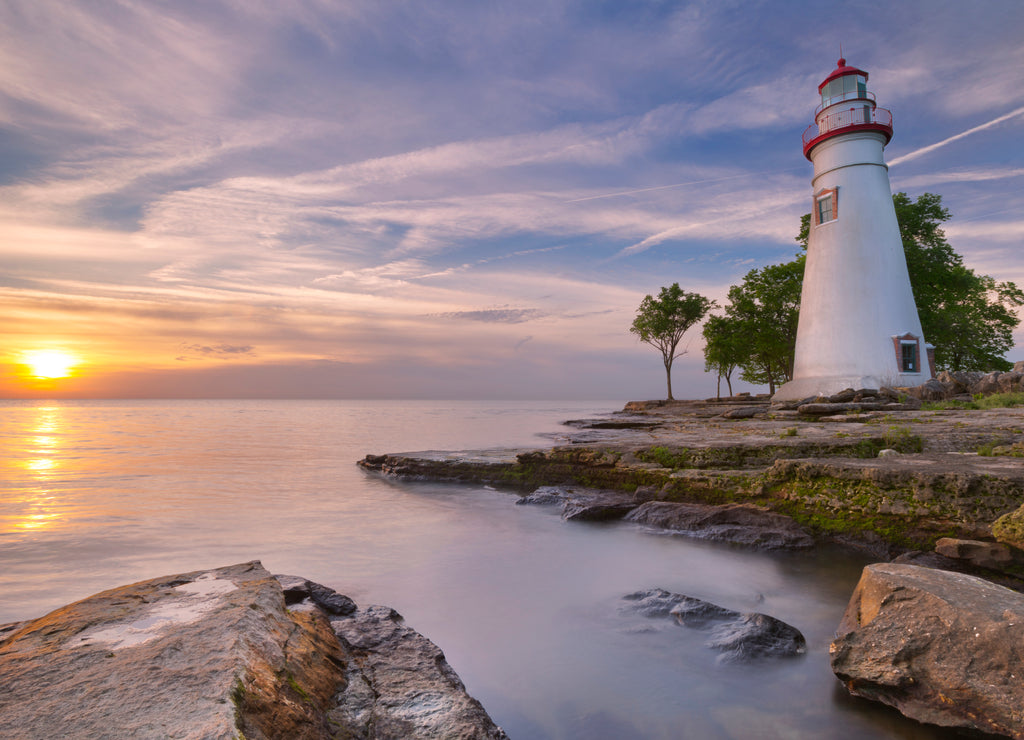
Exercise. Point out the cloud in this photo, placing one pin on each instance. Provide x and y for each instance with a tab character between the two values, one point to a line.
496	315
219	351
949	140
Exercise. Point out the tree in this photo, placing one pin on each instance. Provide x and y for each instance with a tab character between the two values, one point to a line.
969	318
724	349
662	321
760	324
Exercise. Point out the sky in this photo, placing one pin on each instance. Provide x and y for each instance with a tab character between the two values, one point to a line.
449	199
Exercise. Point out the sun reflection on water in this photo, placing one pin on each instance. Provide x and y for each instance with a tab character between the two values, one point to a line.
37	508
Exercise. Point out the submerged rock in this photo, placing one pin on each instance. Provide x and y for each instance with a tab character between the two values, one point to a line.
941	647
738	636
743	524
222	653
583	504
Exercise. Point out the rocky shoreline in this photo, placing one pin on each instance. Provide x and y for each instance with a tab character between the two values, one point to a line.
938	493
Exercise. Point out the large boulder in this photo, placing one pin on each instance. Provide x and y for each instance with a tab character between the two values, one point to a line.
737	636
943	648
224	653
743	524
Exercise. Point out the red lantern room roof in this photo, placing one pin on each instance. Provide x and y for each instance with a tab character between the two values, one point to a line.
842	70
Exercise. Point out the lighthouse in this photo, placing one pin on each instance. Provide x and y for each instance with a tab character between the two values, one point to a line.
858	325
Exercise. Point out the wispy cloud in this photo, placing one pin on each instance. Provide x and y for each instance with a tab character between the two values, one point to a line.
949	140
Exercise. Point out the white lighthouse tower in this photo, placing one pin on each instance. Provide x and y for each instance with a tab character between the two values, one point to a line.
859	326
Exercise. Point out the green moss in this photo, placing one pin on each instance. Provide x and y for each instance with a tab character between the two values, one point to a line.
297	688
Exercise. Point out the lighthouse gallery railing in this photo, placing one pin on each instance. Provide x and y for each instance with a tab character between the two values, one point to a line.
862	115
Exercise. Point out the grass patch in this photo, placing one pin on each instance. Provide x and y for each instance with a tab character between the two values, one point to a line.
995	401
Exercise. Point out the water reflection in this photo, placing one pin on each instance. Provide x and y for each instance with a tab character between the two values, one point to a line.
40	461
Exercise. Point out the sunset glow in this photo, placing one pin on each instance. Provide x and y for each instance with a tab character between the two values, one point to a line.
477	214
50	363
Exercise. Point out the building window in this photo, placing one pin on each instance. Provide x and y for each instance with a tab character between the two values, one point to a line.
908	357
826	206
908	353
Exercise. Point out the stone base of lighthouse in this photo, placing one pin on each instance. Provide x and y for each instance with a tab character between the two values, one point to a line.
801	388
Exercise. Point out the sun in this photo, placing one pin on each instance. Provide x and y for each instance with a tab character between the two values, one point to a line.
50	363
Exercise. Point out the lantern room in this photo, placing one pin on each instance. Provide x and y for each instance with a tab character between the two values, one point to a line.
846	105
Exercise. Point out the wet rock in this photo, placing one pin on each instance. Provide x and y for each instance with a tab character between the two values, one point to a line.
585	504
737	636
830	409
545	496
298	590
214	654
744	524
597	510
941	647
399	684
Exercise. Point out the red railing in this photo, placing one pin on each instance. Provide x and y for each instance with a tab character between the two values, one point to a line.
877	119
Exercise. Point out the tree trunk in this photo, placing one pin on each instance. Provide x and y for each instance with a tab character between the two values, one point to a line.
718	388
668	377
728	382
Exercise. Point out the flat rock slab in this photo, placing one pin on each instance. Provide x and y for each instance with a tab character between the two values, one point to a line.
943	648
737	636
221	653
744	524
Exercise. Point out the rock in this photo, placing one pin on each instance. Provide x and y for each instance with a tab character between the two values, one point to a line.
596	510
844	396
738	636
992	555
831	409
399	684
747	412
930	390
986	385
545	496
1010	382
888	452
586	504
941	647
1009	528
744	524
755	636
210	654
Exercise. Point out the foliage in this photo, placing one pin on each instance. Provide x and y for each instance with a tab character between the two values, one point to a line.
724	349
661	322
969	318
758	330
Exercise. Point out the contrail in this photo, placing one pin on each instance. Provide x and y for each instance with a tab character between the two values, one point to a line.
968	132
681	184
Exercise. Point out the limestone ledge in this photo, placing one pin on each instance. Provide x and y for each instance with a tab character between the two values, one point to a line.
896	479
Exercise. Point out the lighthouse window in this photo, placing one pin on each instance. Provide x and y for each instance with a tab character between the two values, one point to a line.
826	206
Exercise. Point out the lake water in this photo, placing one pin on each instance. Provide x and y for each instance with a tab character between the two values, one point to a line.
102	493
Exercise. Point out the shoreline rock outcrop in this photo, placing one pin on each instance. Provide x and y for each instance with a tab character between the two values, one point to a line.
941	647
227	653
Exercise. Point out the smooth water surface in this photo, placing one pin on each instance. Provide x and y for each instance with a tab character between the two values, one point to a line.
98	494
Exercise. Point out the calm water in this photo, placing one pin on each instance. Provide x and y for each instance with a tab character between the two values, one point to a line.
98	494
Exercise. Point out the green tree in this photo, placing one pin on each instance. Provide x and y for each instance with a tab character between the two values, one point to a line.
725	347
662	321
969	318
760	323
